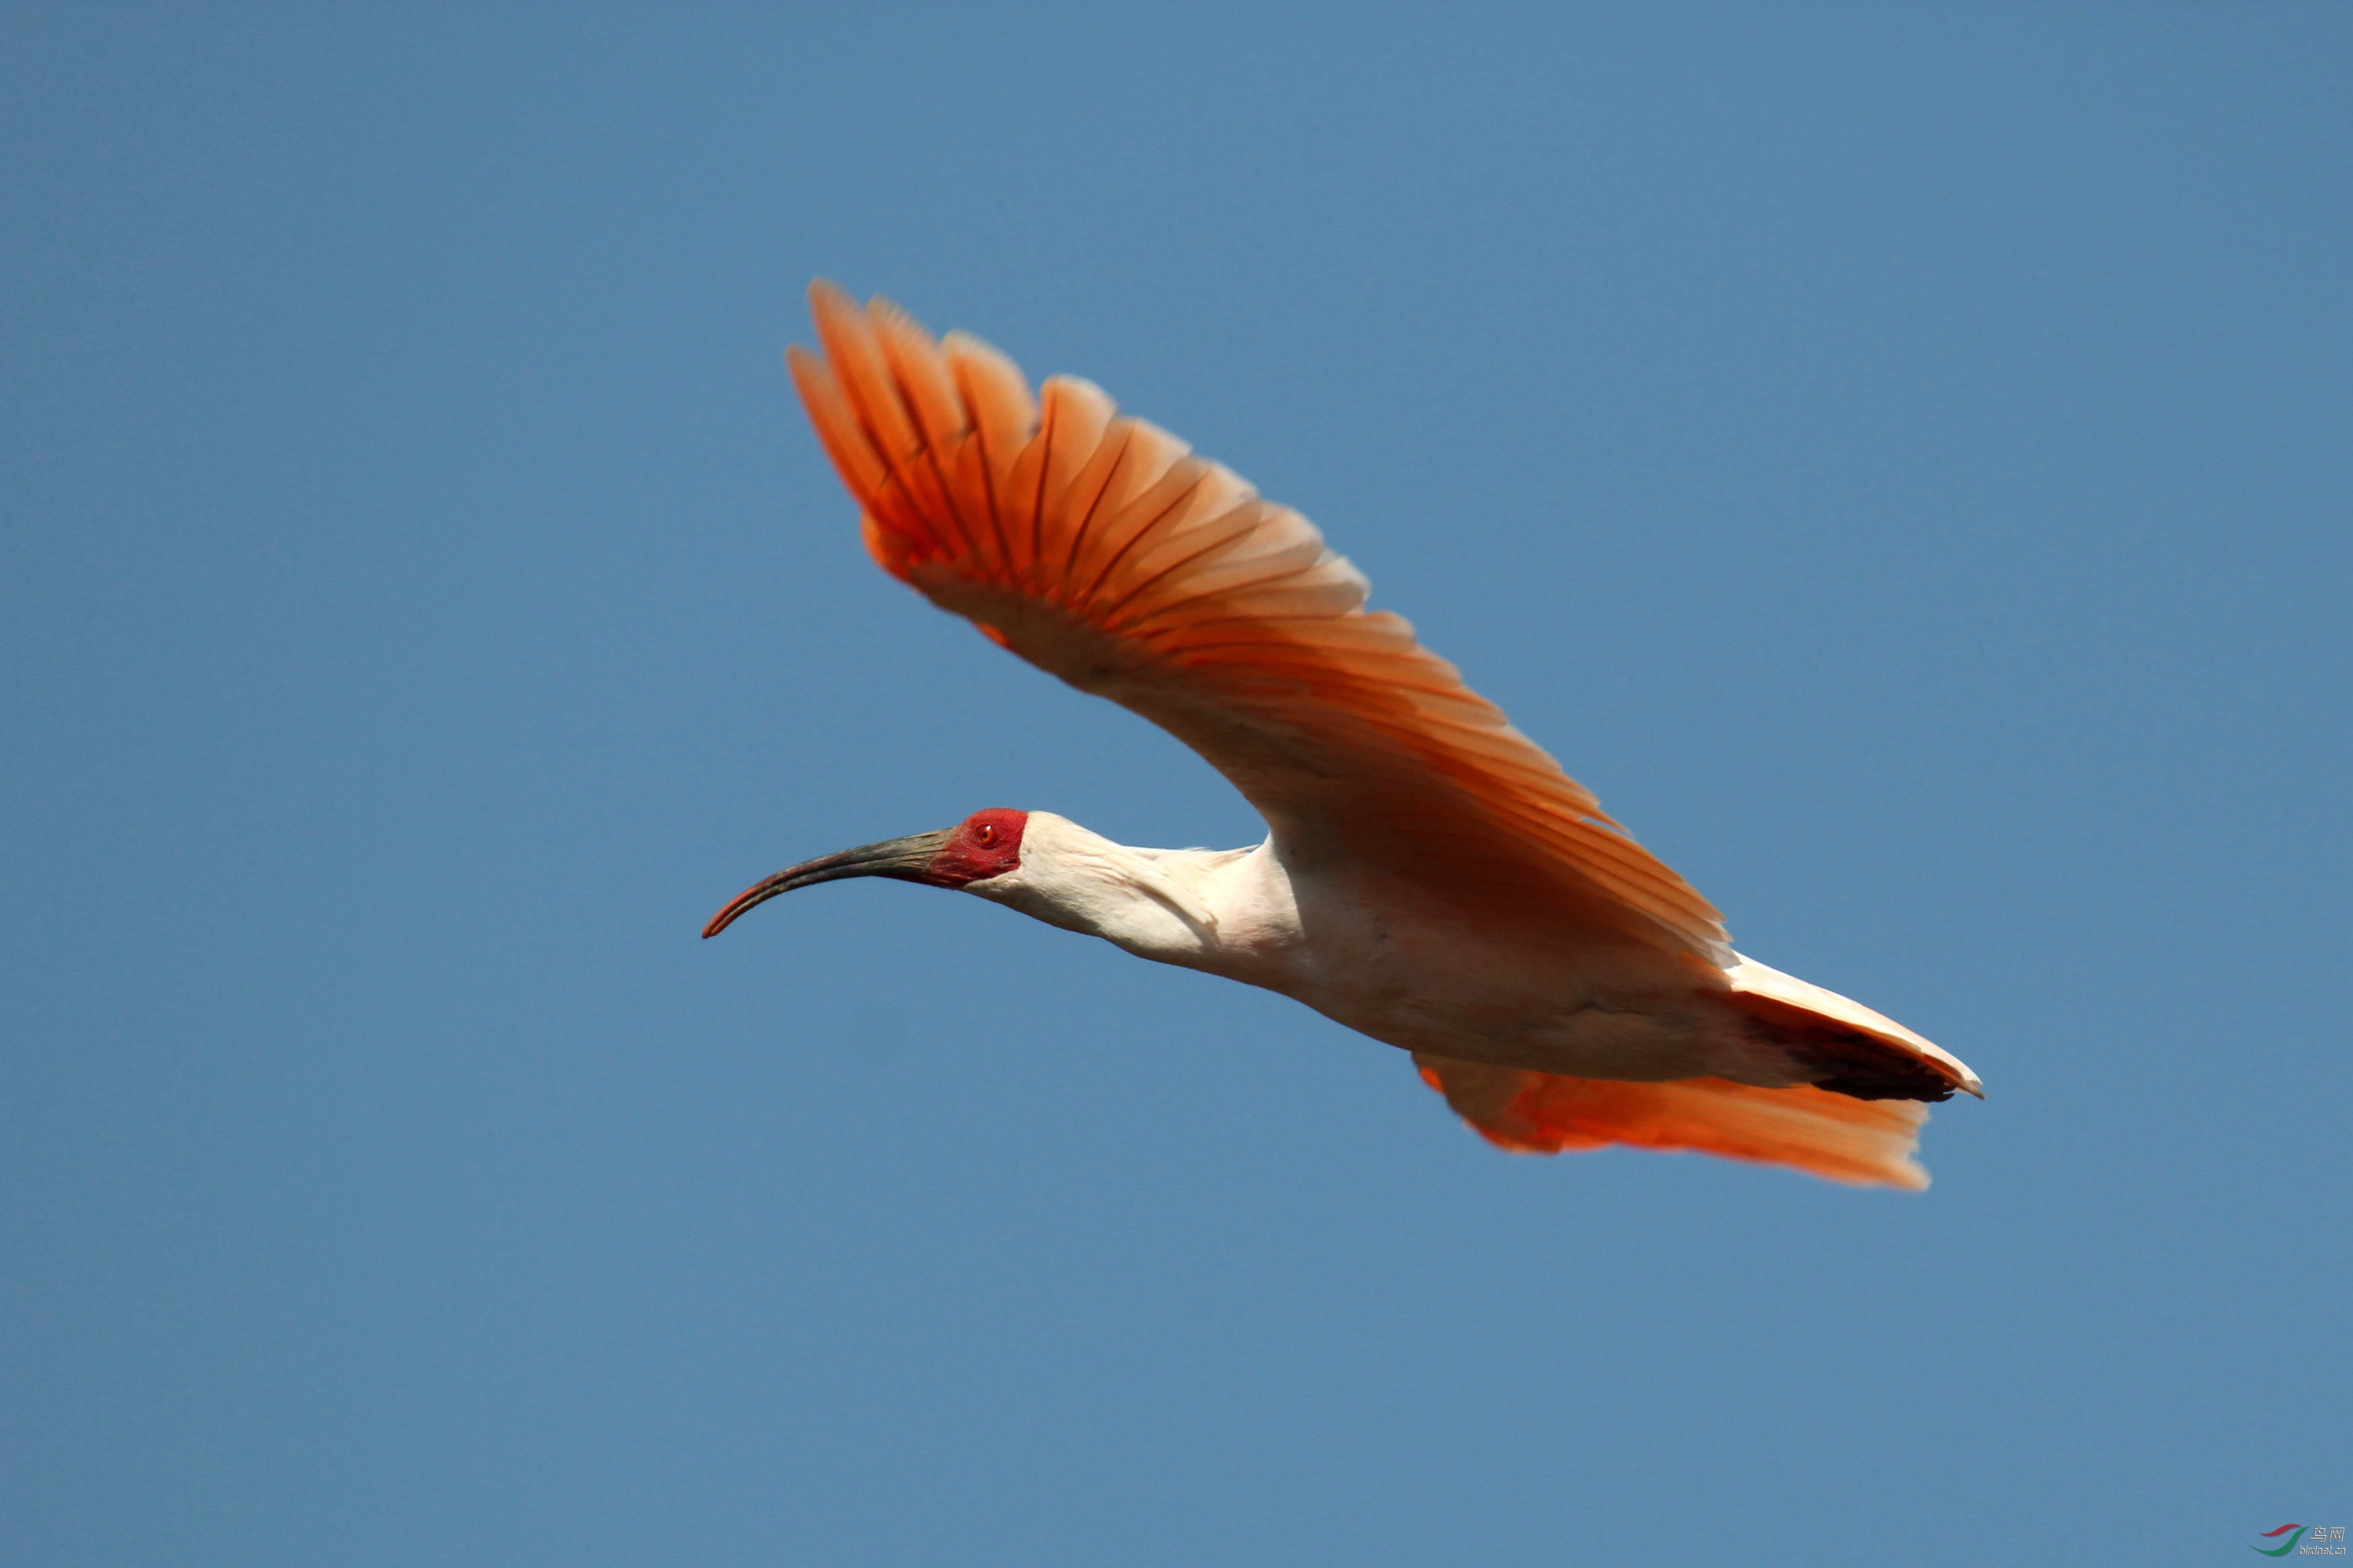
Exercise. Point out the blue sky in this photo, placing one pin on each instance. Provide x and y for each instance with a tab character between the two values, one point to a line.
1897	456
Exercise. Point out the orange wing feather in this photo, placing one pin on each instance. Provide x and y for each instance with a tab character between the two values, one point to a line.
1102	550
1869	1143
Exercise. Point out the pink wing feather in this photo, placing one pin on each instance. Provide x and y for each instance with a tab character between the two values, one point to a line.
1102	550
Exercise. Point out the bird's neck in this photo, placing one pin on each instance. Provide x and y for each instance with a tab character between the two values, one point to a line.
1161	904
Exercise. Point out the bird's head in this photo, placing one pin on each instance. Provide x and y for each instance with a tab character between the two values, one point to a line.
1047	867
984	845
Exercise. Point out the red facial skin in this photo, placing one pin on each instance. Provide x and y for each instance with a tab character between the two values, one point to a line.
985	844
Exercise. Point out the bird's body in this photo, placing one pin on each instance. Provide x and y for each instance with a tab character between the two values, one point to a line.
1430	879
1376	953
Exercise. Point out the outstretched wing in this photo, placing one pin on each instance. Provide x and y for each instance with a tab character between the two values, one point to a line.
1102	550
1869	1143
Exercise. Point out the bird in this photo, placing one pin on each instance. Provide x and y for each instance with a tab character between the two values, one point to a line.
1430	879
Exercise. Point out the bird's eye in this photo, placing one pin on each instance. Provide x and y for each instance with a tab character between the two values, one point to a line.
988	834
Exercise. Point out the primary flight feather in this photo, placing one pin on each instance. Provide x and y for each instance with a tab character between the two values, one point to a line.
1430	877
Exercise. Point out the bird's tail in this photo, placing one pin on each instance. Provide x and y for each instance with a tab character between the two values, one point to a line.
1869	1143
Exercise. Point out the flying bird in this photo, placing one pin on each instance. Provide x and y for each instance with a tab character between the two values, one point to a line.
1429	877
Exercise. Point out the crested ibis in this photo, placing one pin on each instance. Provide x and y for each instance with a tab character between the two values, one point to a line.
1429	877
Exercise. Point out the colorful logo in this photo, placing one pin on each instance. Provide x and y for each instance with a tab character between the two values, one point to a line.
2305	1541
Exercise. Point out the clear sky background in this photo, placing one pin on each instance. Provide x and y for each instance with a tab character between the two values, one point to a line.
1898	456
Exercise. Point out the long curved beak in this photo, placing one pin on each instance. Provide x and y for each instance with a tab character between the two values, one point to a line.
908	858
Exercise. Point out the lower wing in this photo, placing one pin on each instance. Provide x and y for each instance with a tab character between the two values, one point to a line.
1867	1142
